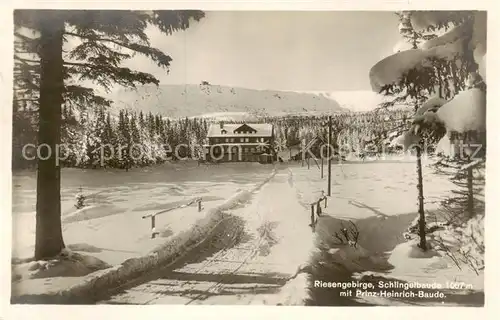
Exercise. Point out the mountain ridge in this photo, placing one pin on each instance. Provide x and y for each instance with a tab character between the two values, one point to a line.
206	100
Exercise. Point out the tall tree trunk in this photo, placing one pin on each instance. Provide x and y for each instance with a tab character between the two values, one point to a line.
470	192
49	240
421	211
330	155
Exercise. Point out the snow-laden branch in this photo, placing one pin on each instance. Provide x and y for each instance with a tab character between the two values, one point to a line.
431	104
451	36
448	46
472	164
465	112
435	20
390	69
479	42
421	20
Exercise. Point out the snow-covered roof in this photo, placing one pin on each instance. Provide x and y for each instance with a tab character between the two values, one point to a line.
240	144
240	130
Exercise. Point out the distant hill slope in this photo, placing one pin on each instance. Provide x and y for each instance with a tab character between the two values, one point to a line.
214	101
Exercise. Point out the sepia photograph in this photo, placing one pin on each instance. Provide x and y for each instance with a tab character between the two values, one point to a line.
275	158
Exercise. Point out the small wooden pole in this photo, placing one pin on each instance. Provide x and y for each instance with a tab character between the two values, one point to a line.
318	208
312	215
153	230
323	197
326	201
321	166
199	205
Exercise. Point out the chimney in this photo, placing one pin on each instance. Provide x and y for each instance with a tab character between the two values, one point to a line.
221	125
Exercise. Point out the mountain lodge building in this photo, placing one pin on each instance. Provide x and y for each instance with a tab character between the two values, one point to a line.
240	142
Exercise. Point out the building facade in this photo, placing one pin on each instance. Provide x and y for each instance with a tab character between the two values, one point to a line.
240	143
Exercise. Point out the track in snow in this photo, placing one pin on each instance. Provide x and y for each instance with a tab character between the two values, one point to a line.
247	263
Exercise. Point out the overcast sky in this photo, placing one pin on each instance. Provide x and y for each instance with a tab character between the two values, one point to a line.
297	51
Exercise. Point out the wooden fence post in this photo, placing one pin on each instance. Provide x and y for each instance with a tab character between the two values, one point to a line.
153	216
321	166
312	215
153	229
318	208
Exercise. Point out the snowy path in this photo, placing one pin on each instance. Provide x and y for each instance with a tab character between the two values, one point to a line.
270	239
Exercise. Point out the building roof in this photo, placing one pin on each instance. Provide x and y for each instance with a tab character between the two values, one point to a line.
240	144
231	130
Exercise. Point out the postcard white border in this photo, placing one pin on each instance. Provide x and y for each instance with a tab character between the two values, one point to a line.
251	312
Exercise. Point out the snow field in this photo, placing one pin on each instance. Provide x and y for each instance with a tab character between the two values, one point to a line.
130	242
363	190
366	193
253	268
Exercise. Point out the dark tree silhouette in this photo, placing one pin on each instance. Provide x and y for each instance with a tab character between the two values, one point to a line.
45	74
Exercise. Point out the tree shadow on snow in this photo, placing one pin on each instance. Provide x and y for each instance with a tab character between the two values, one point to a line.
229	233
268	235
377	234
219	284
382	234
335	263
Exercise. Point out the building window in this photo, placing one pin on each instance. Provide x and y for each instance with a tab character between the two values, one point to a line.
242	139
247	140
216	140
227	140
232	139
253	149
246	150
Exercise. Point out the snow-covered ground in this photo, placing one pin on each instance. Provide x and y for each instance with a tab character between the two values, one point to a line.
275	240
271	240
381	198
256	257
111	227
372	188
